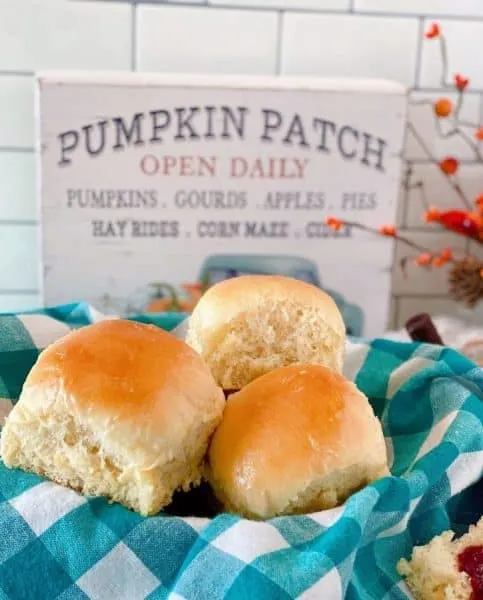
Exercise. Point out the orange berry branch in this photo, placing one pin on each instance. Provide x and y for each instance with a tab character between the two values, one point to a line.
465	274
425	257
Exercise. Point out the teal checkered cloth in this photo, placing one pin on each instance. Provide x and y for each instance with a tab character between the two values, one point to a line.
55	543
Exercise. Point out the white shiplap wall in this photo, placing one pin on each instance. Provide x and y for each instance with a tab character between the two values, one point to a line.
373	38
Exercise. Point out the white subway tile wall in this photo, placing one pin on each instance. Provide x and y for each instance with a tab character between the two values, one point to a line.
185	38
17	122
41	34
454	8
18	257
348	45
372	38
17	186
335	5
17	302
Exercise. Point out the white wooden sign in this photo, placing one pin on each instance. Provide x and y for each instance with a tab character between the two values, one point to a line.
152	183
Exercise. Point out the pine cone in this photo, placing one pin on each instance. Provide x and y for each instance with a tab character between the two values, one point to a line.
466	281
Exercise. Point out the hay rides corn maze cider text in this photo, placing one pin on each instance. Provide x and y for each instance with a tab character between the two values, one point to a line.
153	187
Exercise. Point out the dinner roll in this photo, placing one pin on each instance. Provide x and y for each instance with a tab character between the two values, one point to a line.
299	439
249	325
116	409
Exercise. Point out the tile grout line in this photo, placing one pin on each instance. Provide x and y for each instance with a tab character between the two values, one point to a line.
405	194
416	296
6	292
422	229
428	161
397	310
17	149
437	90
419	53
133	37
278	58
17	73
416	88
18	222
409	164
336	11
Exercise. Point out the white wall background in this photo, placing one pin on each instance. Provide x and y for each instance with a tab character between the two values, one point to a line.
374	38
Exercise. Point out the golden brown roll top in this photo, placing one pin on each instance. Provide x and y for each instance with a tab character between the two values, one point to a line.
118	408
299	439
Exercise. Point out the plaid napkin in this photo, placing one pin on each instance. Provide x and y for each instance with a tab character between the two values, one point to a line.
57	544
